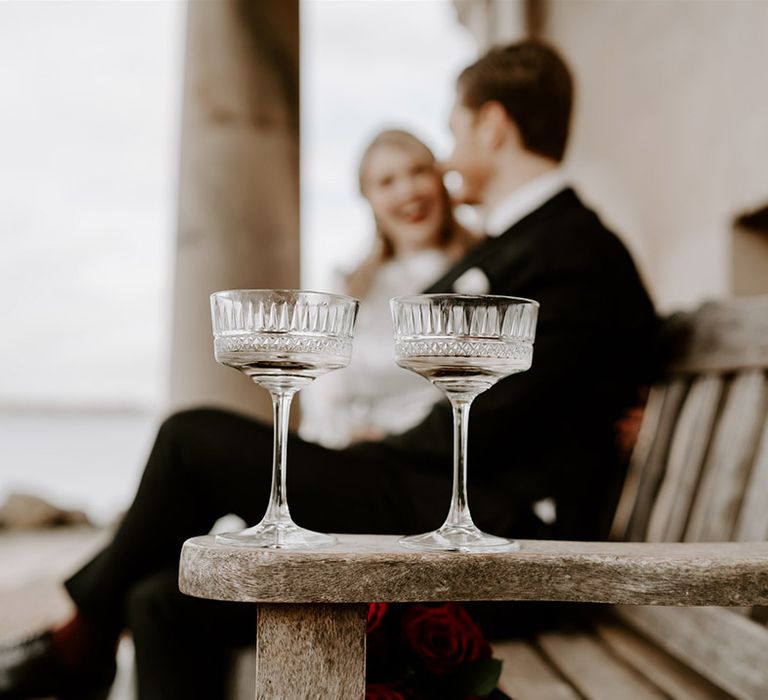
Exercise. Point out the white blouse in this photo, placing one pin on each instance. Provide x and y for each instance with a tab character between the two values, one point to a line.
373	393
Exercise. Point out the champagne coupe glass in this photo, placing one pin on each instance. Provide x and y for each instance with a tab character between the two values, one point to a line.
282	339
463	344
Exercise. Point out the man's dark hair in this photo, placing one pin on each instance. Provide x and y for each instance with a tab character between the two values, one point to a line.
533	84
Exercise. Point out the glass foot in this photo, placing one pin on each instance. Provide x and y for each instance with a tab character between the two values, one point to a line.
277	536
459	539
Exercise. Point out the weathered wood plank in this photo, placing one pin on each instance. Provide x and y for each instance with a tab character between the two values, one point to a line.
665	672
727	336
646	439
753	518
653	470
362	568
686	456
730	650
592	670
716	505
310	651
526	675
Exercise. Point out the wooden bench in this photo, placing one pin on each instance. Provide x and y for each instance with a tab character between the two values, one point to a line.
683	581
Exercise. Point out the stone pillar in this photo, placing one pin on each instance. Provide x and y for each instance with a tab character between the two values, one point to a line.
238	209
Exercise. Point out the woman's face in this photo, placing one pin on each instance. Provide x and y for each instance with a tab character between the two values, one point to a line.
405	192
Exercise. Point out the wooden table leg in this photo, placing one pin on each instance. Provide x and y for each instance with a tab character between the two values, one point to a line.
310	651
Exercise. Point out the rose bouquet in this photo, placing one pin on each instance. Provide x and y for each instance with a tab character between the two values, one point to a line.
427	652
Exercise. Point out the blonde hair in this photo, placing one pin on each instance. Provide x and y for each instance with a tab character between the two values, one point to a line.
452	236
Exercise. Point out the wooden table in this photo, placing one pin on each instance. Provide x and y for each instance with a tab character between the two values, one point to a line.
312	604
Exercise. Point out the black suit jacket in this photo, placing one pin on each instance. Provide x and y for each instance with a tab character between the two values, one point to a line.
549	432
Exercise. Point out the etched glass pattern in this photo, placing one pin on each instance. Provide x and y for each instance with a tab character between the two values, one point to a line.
263	342
465	316
473	348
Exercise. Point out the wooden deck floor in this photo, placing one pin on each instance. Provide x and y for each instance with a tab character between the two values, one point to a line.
33	563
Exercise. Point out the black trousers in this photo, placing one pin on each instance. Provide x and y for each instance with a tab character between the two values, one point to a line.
208	463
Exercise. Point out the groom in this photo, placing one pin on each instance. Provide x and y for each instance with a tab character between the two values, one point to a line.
547	433
543	450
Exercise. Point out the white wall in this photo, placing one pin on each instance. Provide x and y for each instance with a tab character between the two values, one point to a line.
670	135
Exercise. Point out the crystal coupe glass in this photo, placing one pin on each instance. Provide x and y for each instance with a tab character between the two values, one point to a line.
463	344
282	340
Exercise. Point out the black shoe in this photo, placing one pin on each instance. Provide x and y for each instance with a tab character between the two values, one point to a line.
29	670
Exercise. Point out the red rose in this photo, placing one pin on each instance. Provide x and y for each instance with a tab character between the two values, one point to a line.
382	691
376	612
444	636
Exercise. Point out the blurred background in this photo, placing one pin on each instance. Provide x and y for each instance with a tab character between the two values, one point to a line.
153	152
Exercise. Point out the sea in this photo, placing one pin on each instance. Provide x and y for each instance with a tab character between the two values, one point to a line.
89	460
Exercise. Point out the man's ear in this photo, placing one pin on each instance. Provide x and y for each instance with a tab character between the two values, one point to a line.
495	126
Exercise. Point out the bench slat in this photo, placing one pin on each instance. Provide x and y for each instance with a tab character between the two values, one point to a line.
646	439
364	568
686	455
753	519
592	670
664	671
637	498
526	675
715	508
730	650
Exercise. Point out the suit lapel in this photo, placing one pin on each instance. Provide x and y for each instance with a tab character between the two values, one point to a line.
512	243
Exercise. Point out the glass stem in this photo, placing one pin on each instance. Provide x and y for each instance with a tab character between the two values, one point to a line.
459	515
277	511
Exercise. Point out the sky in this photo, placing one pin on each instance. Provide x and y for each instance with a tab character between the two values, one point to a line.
89	95
89	129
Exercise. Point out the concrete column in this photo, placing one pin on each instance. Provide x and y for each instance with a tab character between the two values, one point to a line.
238	209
